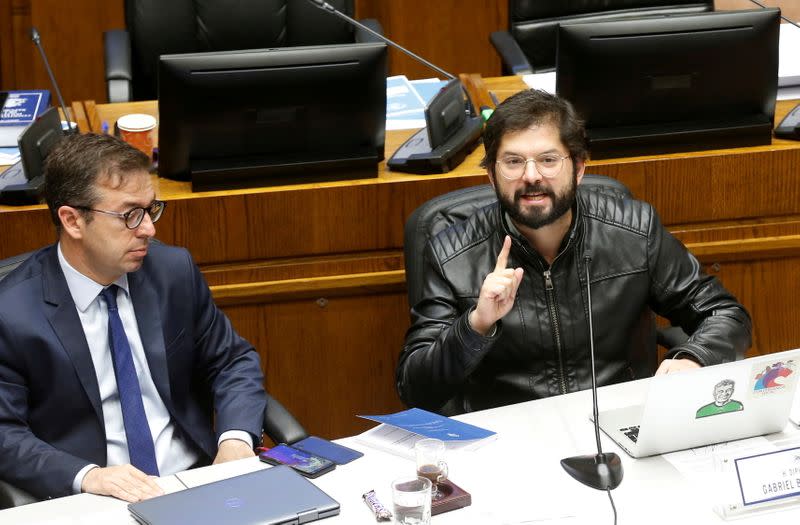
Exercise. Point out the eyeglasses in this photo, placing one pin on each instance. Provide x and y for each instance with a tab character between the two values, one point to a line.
134	217
548	165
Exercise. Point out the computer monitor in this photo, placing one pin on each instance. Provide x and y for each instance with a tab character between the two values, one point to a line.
272	116
672	83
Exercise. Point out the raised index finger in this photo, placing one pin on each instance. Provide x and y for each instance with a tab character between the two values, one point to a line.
502	257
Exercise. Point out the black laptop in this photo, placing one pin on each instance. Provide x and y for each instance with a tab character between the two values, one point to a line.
275	496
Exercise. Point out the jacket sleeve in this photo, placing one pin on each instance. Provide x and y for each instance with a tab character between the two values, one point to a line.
230	364
26	461
719	327
441	349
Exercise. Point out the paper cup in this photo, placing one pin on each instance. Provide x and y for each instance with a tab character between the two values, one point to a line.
138	130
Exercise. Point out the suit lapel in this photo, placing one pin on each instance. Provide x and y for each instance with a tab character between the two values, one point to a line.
63	317
146	306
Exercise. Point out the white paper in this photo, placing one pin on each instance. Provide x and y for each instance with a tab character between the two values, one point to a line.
544	81
789	56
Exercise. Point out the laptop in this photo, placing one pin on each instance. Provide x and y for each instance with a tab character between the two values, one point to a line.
709	405
275	496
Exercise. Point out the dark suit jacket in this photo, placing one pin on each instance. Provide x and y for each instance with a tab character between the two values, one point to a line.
51	422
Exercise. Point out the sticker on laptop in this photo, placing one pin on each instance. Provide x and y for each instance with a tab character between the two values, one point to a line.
723	401
774	378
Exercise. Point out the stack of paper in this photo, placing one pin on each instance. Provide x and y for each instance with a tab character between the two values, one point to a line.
399	432
9	156
406	101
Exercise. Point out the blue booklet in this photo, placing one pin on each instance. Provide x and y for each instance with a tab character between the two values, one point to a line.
398	433
432	425
21	109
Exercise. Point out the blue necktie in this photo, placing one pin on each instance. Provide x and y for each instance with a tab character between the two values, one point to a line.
140	441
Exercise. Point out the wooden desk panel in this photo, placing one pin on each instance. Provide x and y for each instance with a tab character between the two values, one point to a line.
312	274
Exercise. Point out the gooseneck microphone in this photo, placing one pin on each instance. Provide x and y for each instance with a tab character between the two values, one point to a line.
449	134
322	4
601	471
37	41
762	6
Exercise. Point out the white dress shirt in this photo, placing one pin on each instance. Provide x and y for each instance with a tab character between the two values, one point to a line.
173	454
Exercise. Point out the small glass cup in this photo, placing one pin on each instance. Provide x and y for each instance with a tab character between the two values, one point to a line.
431	464
411	500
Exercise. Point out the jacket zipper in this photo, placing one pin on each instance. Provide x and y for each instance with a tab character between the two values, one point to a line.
551	307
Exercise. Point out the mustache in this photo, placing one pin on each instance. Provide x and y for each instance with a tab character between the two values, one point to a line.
534	188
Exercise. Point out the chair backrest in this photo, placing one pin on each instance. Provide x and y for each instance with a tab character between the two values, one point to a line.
445	210
160	27
8	265
534	23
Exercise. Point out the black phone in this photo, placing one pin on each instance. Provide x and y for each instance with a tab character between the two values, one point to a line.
309	465
337	453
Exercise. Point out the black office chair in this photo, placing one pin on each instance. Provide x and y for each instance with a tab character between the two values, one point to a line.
445	210
279	424
529	45
158	27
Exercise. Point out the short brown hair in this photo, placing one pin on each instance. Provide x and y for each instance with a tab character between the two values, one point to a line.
72	169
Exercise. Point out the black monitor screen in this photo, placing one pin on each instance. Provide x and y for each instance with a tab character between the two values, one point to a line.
672	83
255	117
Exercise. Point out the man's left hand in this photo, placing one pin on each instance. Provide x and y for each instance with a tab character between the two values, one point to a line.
669	366
232	449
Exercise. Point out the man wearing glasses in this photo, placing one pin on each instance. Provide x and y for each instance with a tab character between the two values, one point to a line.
113	355
505	316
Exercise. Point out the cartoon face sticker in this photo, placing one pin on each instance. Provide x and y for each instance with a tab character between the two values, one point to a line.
723	402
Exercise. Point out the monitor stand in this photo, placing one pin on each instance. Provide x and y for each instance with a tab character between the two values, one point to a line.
226	174
656	139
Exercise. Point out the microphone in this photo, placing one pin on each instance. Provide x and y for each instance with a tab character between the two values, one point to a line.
325	6
37	42
762	6
449	134
601	471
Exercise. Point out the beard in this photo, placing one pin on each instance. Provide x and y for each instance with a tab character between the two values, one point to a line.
535	217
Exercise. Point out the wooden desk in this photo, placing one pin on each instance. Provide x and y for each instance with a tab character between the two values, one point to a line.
312	274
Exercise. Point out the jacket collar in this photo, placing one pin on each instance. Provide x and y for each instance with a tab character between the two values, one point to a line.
61	313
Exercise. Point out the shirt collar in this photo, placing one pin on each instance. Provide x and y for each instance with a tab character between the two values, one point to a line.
83	289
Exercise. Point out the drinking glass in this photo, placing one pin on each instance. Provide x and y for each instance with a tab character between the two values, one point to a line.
411	500
431	464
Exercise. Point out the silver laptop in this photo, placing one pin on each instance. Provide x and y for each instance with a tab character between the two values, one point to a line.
273	496
708	405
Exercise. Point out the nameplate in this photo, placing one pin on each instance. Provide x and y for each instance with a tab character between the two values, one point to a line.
770	476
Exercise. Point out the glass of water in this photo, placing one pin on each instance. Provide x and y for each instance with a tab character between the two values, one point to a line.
411	499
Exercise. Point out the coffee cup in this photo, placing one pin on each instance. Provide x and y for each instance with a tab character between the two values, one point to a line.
138	130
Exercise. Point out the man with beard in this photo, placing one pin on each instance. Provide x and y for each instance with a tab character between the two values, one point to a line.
504	317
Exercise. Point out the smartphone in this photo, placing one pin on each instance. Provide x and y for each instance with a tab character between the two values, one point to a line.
305	463
339	454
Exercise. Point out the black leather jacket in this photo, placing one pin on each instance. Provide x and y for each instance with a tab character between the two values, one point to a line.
541	348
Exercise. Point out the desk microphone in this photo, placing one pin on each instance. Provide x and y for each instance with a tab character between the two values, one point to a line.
599	471
449	134
37	41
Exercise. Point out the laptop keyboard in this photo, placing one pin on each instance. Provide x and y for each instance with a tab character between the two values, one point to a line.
631	432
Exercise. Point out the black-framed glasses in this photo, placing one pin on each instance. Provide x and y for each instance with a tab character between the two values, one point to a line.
133	217
512	167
